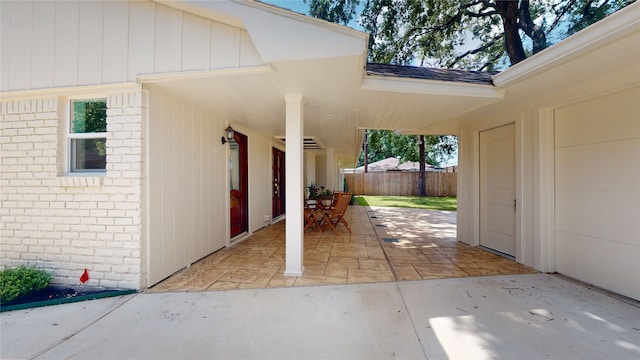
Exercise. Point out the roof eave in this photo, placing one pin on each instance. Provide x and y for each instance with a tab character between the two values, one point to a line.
430	87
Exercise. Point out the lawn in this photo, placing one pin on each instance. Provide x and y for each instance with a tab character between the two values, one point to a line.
448	203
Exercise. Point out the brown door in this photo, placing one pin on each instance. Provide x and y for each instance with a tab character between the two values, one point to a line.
238	182
278	183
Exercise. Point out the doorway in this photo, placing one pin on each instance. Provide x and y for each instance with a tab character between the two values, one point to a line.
497	189
278	183
238	184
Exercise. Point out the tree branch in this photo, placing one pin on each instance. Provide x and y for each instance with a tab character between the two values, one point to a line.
484	47
560	14
479	15
489	62
531	29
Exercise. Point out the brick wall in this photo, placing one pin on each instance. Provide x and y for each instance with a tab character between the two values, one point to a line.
66	223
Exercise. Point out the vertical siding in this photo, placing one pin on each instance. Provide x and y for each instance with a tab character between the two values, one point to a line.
90	43
598	191
71	43
187	193
189	169
115	41
140	39
41	66
154	190
225	46
259	181
165	204
214	184
5	49
66	45
168	36
195	43
20	47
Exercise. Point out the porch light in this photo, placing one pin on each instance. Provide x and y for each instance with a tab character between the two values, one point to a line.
230	132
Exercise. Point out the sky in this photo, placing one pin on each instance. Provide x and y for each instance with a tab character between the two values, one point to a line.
300	6
295	5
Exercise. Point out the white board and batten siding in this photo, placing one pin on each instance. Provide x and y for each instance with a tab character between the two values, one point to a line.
47	44
187	169
597	160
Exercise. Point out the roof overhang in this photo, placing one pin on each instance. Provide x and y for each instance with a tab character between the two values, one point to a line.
326	64
430	87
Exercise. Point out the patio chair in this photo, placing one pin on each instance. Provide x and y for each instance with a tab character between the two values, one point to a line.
336	196
312	217
335	216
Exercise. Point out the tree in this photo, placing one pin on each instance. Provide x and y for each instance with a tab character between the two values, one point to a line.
465	34
384	144
337	11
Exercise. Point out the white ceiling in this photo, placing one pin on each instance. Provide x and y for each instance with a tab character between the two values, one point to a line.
337	105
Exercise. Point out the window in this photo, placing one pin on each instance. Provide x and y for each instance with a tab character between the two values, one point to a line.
88	136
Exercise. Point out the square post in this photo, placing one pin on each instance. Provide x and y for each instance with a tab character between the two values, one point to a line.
294	163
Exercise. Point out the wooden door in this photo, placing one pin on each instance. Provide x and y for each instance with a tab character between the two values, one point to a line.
238	183
278	183
497	189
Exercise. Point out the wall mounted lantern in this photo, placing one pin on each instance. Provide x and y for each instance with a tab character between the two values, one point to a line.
229	131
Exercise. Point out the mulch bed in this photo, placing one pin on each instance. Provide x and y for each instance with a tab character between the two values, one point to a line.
56	294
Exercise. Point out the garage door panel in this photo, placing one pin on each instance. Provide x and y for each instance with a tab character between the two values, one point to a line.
613	266
602	215
582	123
597	191
605	166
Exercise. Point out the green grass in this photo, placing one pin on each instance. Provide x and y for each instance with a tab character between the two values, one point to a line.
448	203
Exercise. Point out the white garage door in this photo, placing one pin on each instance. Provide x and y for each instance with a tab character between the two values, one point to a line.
597	165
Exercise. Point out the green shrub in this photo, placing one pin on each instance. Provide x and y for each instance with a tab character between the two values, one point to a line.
21	281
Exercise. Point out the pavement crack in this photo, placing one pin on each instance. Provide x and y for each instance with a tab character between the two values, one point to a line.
413	325
67	338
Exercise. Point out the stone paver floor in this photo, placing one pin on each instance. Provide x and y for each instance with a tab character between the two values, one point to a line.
386	244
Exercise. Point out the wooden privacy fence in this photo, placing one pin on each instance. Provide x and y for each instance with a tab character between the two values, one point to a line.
401	183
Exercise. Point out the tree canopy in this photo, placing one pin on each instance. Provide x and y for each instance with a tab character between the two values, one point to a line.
464	34
384	144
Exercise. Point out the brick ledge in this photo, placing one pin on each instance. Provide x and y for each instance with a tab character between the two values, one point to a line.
80	181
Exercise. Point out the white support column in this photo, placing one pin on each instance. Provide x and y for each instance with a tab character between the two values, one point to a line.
332	176
294	185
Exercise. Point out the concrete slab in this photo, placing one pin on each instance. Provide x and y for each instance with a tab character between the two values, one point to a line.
26	333
520	317
367	321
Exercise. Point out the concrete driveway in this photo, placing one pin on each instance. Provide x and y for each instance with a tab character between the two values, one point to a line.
534	316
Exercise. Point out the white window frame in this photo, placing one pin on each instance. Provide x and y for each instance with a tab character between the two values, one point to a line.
70	136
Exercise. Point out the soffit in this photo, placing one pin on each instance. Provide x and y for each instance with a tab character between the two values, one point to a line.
338	104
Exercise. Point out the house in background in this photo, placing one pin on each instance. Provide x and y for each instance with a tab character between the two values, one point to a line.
394	164
115	155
